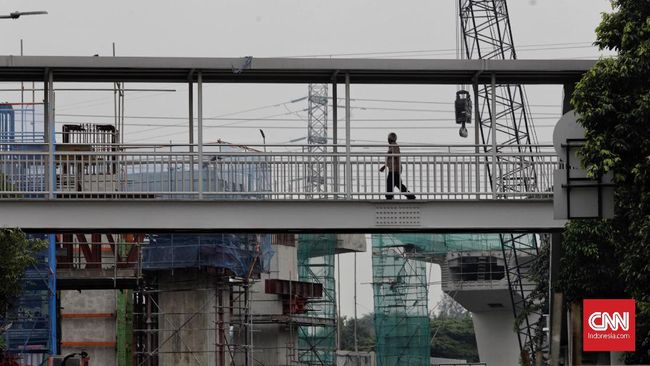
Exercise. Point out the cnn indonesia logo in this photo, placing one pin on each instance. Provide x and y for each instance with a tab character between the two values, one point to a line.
608	325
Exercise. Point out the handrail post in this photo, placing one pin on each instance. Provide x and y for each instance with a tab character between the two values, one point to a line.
493	130
200	131
51	133
335	135
348	166
190	97
477	127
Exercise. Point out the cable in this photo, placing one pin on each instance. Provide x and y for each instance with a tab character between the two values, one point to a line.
286	120
228	124
289	112
260	108
429	102
353	128
92	102
571	44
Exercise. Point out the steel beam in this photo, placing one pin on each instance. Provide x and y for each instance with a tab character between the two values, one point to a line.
291	70
280	216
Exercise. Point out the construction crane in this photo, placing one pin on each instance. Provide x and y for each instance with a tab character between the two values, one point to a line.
485	33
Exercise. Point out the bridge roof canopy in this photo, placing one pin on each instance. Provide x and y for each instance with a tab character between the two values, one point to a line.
290	70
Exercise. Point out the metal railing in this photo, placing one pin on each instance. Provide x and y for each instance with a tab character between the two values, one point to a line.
31	171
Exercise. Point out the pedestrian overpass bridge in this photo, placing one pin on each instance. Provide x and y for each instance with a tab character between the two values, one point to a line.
172	187
50	182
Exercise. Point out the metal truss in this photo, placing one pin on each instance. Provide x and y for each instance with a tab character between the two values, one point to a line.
486	34
317	138
520	252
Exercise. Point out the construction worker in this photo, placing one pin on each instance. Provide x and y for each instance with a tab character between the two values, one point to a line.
393	179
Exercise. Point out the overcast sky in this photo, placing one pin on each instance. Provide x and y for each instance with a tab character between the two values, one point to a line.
262	28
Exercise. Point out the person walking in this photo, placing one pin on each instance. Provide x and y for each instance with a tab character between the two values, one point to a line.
393	179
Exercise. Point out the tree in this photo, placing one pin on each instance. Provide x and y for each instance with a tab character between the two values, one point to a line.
17	253
613	99
610	258
448	308
452	332
365	333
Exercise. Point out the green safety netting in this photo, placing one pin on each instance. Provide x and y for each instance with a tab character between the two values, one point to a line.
441	244
317	344
400	294
400	288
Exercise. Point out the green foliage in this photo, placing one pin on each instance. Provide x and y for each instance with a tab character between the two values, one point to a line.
642	354
448	308
613	99
453	337
611	258
452	332
365	333
589	266
16	254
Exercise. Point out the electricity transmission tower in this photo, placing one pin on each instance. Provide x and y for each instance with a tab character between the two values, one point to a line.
486	34
317	138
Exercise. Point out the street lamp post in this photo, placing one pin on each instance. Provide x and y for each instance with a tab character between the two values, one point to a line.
18	14
263	139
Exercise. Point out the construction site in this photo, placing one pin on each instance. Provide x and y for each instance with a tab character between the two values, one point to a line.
229	299
222	253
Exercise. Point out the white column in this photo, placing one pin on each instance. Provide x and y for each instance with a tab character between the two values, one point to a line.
51	135
493	130
200	131
348	166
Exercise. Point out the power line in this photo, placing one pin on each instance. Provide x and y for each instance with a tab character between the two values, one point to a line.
352	128
549	45
392	120
289	112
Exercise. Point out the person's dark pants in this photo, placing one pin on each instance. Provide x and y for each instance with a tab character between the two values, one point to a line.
393	179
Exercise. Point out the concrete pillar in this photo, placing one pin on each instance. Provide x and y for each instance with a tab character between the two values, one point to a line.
88	324
496	342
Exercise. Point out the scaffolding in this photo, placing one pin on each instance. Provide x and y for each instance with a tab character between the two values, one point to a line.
401	311
494	260
195	304
428	245
30	327
317	343
240	254
124	307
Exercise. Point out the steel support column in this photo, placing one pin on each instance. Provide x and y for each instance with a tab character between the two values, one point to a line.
493	133
335	134
200	133
52	308
50	130
348	166
190	112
